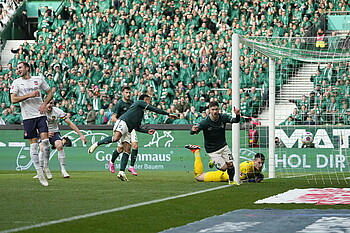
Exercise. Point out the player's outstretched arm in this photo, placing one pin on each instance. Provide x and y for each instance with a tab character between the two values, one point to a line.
159	111
172	116
236	119
75	128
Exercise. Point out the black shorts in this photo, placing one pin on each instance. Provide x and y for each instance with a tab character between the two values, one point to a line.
56	136
34	126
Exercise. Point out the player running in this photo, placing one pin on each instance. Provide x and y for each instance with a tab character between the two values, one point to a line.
129	121
121	107
213	127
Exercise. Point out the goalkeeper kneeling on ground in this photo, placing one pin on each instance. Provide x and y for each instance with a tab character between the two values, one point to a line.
250	171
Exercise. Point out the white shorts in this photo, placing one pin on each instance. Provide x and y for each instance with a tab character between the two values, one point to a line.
132	137
221	157
121	127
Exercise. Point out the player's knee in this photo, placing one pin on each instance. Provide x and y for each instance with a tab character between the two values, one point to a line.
222	168
115	138
135	147
59	145
199	178
45	142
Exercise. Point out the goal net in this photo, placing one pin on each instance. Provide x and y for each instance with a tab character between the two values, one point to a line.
304	87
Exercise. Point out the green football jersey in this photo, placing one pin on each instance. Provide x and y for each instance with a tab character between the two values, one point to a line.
134	115
214	131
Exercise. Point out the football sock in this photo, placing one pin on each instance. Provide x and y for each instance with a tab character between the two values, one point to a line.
41	159
46	152
133	156
34	155
115	155
106	140
231	173
62	158
198	165
197	153
124	161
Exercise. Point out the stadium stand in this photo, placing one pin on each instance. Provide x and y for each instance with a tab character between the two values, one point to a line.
178	52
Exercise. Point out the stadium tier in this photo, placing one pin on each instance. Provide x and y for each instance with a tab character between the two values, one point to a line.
178	52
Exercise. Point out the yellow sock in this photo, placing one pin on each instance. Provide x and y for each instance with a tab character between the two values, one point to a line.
198	165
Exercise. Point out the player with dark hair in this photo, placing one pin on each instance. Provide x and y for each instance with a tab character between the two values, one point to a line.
130	120
120	108
213	127
53	114
26	91
250	170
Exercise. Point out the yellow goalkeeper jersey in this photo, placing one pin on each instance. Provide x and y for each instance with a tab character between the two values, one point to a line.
248	171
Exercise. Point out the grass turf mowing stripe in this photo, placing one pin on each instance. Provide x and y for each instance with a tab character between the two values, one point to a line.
109	211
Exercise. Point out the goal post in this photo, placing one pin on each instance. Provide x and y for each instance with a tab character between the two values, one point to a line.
298	68
235	103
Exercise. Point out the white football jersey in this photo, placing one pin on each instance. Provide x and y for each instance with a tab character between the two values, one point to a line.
29	107
52	118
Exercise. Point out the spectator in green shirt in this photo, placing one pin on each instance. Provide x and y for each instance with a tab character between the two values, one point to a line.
181	120
79	118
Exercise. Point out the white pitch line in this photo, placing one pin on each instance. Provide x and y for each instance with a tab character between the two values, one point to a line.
108	211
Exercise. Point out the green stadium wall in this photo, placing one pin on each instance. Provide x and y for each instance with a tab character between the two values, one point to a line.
165	150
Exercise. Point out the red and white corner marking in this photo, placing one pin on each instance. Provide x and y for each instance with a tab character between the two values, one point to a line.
326	196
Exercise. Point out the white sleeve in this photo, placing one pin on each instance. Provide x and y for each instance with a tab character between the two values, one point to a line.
14	88
60	113
45	86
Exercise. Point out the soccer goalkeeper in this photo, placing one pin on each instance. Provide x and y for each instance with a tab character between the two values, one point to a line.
250	170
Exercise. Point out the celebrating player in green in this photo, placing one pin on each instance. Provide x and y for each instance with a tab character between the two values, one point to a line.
215	143
120	108
130	120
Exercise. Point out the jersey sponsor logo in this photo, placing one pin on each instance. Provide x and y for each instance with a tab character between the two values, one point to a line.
12	87
31	89
36	83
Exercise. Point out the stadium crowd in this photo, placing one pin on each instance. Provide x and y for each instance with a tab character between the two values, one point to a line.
7	11
178	52
328	103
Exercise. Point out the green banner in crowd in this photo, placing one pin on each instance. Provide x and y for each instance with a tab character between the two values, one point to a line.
162	151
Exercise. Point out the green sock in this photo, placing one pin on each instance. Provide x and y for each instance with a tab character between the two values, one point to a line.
115	155
124	161
133	156
106	140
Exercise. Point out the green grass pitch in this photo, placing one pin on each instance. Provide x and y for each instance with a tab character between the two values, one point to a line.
25	202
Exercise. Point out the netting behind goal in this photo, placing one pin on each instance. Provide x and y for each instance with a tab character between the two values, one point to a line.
312	108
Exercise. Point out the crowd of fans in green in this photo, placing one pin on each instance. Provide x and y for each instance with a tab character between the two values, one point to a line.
178	52
328	103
